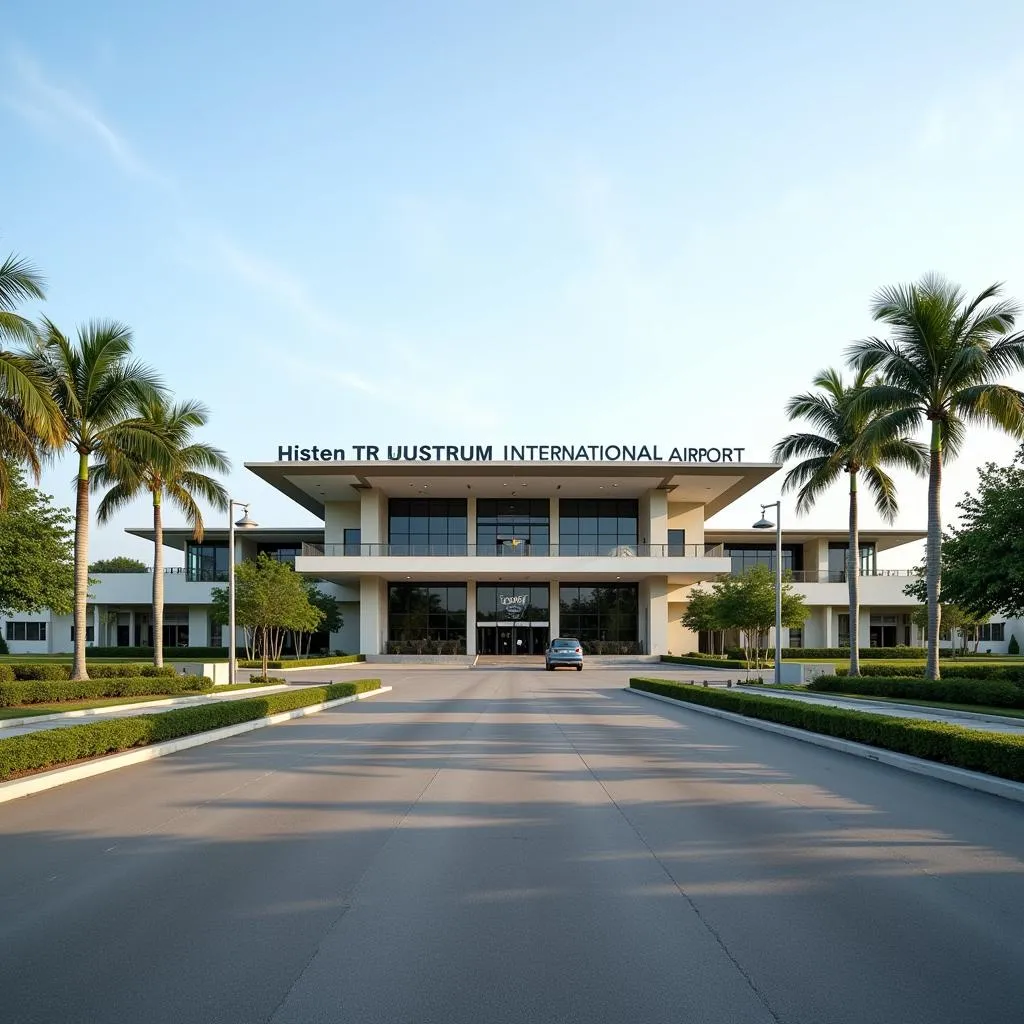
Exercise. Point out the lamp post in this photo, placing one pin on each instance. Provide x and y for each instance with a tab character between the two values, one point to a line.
244	523
765	524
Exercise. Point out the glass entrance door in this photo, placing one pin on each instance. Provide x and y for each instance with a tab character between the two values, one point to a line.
510	639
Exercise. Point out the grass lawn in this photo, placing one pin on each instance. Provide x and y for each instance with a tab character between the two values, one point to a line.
30	710
982	709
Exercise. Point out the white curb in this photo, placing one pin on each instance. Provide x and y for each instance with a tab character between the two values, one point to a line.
990	784
98	766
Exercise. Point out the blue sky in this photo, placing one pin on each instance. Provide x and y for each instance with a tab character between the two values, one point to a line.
532	222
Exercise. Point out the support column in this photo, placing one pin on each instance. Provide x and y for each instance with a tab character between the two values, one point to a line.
471	537
554	611
553	529
654	600
827	612
372	619
95	624
471	613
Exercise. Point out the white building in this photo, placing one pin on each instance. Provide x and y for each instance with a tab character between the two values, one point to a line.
437	552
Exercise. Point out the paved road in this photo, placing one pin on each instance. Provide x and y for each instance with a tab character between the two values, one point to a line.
511	846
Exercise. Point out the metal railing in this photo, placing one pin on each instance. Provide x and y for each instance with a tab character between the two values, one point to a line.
839	575
523	549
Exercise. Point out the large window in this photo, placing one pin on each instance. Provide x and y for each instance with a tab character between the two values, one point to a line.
603	612
175	627
522	603
427	526
837	552
513	526
26	630
352	540
286	553
844	629
991	631
427	613
746	556
677	542
596	526
207	563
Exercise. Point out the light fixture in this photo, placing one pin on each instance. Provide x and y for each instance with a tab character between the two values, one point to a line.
245	523
766	524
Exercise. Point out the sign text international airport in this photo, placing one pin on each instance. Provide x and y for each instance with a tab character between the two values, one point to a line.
507	453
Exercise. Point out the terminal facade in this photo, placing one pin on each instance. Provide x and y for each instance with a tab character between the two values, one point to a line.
477	556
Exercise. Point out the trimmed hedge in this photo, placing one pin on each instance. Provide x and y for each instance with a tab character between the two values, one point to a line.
999	754
1014	673
176	653
687	659
991	692
341	659
28	670
51	747
866	653
55	691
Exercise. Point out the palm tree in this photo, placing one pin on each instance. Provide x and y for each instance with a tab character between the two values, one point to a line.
942	365
176	473
844	444
29	419
97	387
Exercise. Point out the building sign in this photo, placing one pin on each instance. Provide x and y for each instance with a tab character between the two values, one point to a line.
513	605
508	453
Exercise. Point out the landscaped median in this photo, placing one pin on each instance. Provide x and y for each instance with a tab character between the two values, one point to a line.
341	659
53	747
992	753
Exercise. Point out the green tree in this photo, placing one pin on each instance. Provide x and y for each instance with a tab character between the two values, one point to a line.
983	557
97	387
119	563
329	607
29	419
845	444
746	602
36	552
941	366
701	613
270	600
175	471
962	623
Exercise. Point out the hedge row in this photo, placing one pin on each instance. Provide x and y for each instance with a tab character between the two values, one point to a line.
51	747
341	659
999	754
28	670
55	691
866	653
689	659
991	692
1013	673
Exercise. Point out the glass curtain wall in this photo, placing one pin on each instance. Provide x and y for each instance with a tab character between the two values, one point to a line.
513	619
513	526
427	526
426	618
746	556
837	552
207	563
597	526
601	613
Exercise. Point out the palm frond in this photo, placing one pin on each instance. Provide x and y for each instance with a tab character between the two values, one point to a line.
883	490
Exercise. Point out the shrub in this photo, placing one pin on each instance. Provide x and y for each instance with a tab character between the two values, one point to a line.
170	653
3	646
55	691
1013	673
267	681
6	674
999	754
1013	647
30	670
990	692
691	659
343	659
50	747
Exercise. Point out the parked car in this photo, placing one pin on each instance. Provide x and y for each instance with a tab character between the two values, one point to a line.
564	650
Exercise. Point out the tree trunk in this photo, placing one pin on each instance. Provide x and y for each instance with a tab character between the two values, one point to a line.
266	650
853	578
79	671
158	581
933	572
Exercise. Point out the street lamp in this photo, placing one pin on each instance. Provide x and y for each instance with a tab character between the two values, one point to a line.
245	523
765	524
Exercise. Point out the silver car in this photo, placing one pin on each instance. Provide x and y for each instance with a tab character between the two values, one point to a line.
566	651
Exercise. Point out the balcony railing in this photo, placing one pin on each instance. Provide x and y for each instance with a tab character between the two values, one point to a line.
523	549
839	575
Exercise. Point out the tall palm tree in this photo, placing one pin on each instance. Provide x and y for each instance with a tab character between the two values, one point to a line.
942	365
844	444
177	473
29	419
97	387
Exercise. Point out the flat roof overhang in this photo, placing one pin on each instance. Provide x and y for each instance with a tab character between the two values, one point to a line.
177	537
713	485
884	540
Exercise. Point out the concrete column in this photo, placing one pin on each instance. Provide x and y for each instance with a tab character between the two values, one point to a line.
553	528
555	611
372	512
372	615
471	613
131	628
96	624
198	627
471	537
654	602
827	632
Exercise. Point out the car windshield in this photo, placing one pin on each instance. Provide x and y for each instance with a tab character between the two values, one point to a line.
565	643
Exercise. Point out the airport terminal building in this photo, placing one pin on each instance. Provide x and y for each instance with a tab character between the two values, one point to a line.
473	550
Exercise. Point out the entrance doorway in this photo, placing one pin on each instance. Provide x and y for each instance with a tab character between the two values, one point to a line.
511	638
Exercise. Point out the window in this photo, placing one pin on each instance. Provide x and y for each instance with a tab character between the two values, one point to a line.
351	538
745	556
427	526
216	634
522	603
426	611
844	629
207	563
513	526
796	637
677	542
26	630
992	631
89	634
285	552
175	627
837	552
597	526
603	612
